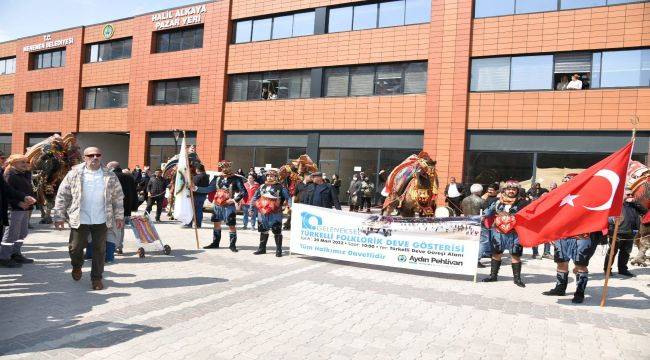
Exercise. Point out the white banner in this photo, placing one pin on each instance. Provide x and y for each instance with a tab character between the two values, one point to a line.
446	245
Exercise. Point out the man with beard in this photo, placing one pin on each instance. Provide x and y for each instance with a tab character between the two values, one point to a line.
230	190
268	200
504	237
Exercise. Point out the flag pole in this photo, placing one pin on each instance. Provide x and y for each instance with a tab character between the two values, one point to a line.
191	185
608	272
635	121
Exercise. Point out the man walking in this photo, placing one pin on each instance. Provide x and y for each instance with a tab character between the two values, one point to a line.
127	183
91	198
19	178
156	192
323	194
630	221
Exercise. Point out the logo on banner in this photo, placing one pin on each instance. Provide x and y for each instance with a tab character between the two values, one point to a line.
310	221
402	258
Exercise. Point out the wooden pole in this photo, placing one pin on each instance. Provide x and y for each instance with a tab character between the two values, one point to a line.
190	186
612	248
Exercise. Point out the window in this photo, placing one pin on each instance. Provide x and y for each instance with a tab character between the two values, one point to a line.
112	50
177	91
531	6
488	8
180	39
282	26
7	66
162	147
575	4
340	19
43	60
415	78
254	87
391	13
485	167
243	31
417	11
106	97
303	23
491	74
531	72
238	87
362	80
6	104
365	17
569	64
336	81
289	84
625	68
262	29
389	80
51	100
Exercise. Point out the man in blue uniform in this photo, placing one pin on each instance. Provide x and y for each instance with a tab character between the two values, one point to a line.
504	236
230	190
268	200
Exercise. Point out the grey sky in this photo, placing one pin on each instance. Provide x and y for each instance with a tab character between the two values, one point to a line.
19	18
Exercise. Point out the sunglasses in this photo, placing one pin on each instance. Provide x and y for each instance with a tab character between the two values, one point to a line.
93	155
628	195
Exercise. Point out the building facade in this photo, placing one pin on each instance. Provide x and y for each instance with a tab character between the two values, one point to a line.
484	86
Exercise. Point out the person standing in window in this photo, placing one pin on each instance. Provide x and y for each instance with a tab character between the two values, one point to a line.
563	83
575	83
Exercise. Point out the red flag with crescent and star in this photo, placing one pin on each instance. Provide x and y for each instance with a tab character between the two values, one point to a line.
581	205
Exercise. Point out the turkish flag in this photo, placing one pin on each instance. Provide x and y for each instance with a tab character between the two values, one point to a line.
581	205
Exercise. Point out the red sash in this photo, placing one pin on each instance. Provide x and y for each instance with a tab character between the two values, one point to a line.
267	205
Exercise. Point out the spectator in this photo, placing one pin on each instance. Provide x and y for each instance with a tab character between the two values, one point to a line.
249	211
563	83
336	184
629	224
137	174
383	176
490	195
201	179
240	172
367	192
536	191
18	177
552	186
473	204
575	83
353	192
142	186
303	190
91	198
127	183
156	192
323	194
454	195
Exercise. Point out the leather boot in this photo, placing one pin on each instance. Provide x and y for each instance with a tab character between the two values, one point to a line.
216	239
263	239
233	242
562	279
581	285
516	274
494	271
278	245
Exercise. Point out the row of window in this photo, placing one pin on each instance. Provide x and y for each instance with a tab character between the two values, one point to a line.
51	100
177	91
607	69
291	84
48	59
106	97
488	8
6	104
386	79
356	17
384	14
110	50
7	66
177	40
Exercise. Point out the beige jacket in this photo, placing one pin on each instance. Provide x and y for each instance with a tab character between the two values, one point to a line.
68	198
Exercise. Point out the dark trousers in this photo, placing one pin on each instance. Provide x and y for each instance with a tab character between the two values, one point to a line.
454	204
199	199
158	200
79	241
625	246
366	202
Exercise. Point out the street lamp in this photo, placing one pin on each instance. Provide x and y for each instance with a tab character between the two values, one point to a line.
177	134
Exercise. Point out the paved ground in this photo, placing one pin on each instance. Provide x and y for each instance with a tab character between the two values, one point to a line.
219	305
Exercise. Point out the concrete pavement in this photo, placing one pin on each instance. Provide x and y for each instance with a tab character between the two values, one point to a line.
217	304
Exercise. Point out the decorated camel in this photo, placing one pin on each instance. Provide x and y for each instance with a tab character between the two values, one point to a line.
412	187
638	176
292	174
50	161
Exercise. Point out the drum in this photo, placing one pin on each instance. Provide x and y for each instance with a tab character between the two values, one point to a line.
444	211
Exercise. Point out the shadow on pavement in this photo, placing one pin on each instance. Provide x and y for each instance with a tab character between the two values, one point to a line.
641	301
165	283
